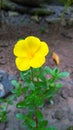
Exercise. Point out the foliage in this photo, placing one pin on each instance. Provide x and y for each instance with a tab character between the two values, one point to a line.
36	88
67	3
4	106
3	113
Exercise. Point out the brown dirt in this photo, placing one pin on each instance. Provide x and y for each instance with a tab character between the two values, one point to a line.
60	41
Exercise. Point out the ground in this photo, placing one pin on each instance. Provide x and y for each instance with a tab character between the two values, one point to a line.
60	40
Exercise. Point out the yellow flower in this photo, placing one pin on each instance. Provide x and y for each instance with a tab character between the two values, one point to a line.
30	52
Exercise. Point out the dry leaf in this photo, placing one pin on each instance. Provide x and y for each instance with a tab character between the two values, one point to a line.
56	58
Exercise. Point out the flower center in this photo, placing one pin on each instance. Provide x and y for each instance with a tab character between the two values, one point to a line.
30	55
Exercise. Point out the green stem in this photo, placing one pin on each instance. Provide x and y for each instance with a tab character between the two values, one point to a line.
32	76
35	107
65	8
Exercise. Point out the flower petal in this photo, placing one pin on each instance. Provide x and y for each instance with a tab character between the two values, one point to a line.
43	50
37	62
33	44
22	63
20	49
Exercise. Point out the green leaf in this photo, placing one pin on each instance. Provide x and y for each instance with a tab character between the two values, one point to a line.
31	122
11	99
39	115
58	85
63	74
15	83
20	116
3	116
42	128
55	71
42	77
3	100
39	85
18	90
32	86
49	94
4	108
51	128
25	84
24	89
39	101
44	123
25	74
48	70
21	104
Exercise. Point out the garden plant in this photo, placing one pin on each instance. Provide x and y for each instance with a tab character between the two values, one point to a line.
38	83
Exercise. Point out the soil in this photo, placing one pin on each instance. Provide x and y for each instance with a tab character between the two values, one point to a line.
60	40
